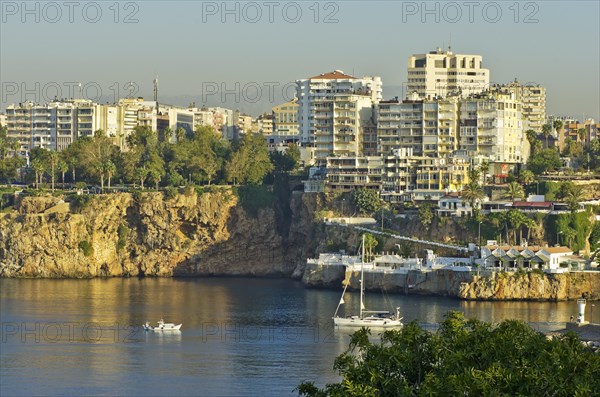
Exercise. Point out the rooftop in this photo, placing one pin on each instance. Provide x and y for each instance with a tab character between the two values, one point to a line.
336	74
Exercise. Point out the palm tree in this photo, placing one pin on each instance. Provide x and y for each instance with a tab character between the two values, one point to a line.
53	159
526	177
180	134
546	130
62	167
514	190
72	162
484	168
558	125
531	138
110	168
472	192
574	197
370	243
581	132
39	167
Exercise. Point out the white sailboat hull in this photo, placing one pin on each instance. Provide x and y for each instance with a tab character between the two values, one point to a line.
367	318
368	322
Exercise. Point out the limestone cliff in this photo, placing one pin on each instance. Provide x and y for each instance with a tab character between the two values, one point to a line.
148	234
532	286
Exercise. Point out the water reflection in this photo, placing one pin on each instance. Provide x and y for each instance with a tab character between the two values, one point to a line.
75	337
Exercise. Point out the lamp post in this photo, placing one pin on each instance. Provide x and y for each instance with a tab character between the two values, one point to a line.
343	207
479	235
382	218
592	312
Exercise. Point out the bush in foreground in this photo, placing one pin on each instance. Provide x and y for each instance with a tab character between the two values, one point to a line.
466	358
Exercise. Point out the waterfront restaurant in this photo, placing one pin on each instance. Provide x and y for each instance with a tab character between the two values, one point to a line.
534	257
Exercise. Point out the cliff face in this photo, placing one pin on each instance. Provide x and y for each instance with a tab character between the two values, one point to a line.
147	234
463	284
532	286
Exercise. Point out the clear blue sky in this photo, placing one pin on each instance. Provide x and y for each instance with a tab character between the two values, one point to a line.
193	51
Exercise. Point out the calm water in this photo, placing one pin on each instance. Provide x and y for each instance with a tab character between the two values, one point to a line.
239	336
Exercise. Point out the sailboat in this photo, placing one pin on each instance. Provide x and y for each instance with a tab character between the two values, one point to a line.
366	318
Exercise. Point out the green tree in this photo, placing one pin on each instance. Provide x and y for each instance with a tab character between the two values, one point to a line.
370	244
366	200
62	167
514	191
286	161
545	160
10	162
546	131
526	177
473	193
532	139
463	358
39	167
484	168
557	125
426	215
250	163
53	160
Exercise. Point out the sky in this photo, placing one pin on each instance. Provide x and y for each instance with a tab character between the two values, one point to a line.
246	55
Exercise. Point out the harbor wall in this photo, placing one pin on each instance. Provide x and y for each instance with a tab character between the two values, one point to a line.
534	286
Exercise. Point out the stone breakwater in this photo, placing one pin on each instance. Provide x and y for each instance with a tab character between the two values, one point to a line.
147	234
462	284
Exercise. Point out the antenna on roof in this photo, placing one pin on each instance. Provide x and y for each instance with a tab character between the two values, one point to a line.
450	43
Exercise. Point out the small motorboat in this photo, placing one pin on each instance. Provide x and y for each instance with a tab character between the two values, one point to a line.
162	326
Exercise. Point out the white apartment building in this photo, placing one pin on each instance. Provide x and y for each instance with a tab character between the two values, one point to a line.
2	119
533	98
52	126
223	121
491	126
334	109
440	73
285	119
426	127
134	112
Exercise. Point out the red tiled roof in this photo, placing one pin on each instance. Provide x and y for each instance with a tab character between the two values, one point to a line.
336	74
525	204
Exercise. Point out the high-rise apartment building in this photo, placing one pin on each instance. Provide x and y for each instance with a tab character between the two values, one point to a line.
334	109
426	127
491	128
533	98
441	73
54	125
285	119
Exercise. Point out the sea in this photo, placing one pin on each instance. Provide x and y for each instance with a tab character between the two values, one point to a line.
240	336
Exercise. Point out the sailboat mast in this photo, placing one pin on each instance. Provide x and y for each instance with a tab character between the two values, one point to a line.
362	287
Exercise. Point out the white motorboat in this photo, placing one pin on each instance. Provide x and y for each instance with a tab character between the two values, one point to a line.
367	318
162	326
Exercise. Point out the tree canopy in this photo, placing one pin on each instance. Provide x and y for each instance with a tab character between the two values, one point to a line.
366	200
466	358
544	160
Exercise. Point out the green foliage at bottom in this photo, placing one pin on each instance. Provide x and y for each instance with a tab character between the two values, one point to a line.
122	233
254	197
464	358
87	248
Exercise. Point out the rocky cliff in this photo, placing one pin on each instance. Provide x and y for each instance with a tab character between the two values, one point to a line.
148	234
463	284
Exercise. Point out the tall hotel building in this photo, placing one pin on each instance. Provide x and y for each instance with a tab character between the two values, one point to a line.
53	125
491	128
441	73
333	111
420	126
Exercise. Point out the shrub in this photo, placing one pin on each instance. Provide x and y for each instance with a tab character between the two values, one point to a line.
254	197
87	248
122	233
